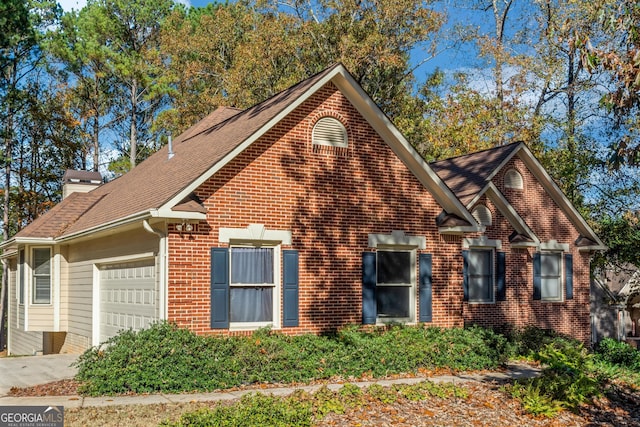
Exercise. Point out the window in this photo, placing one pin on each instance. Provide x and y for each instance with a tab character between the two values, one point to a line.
252	284
41	276
479	275
551	276
330	132
395	271
20	293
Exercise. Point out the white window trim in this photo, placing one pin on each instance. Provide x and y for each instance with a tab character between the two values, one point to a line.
31	276
277	291
561	279
481	242
397	239
554	246
21	276
492	250
254	235
412	287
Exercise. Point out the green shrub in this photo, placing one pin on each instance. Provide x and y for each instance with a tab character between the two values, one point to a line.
165	358
528	341
618	353
568	379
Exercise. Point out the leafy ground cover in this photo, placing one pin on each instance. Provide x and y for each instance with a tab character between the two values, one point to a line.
576	386
167	359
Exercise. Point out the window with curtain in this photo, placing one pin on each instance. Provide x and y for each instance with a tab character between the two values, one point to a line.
42	276
551	276
394	284
480	275
252	284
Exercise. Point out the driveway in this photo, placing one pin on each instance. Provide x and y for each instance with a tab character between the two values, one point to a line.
26	371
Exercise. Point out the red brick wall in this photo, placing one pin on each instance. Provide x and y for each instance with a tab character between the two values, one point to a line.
331	199
548	222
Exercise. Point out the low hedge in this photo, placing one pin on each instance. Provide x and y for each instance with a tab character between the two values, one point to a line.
165	358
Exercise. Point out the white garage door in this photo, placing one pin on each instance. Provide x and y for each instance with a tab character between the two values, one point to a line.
127	297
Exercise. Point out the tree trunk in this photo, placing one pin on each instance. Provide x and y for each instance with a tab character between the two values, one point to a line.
96	131
8	149
500	17
134	125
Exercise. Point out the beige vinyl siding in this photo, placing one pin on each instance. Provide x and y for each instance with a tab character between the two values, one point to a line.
75	344
20	342
77	310
64	289
40	317
81	259
25	343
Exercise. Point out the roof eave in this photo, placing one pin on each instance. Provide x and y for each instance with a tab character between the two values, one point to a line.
247	142
558	196
170	214
400	146
593	248
105	227
376	118
459	230
511	214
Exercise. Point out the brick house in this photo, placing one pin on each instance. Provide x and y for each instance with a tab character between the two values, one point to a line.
305	213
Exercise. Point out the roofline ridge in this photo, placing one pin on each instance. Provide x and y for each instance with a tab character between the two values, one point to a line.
256	105
478	152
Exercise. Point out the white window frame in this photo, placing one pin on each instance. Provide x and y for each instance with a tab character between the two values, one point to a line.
258	235
492	279
399	241
20	276
277	259
411	285
560	276
33	276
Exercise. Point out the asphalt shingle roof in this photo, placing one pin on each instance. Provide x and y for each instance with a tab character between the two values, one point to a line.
467	175
155	181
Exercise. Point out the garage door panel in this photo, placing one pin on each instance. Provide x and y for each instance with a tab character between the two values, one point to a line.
127	297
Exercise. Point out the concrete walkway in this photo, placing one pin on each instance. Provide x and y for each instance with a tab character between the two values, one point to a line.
514	372
27	371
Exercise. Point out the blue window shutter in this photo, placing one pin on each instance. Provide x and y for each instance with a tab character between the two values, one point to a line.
537	277
465	275
568	275
425	288
219	288
369	308
501	286
290	284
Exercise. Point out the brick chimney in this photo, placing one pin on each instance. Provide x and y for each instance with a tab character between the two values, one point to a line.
74	181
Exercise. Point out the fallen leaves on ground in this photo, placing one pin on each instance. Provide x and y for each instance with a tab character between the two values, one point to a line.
486	405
